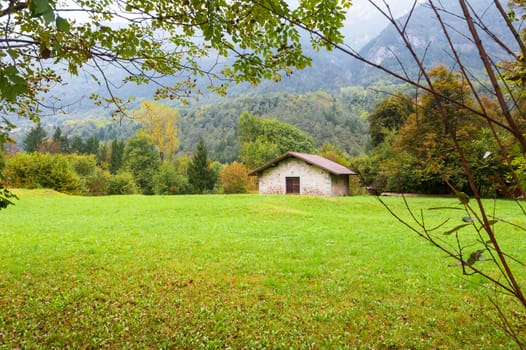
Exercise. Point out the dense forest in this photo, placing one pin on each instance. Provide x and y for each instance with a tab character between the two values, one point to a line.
338	119
413	151
372	132
370	126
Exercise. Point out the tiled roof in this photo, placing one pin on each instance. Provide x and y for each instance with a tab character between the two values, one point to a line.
320	162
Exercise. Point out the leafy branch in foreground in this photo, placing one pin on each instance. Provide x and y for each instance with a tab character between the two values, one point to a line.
150	40
6	197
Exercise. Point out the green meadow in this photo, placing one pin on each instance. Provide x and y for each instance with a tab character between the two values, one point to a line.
234	272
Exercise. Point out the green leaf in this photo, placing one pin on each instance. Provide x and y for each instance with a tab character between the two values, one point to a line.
38	7
3	85
5	196
17	80
49	16
11	84
474	257
62	24
13	91
42	8
455	229
10	70
464	198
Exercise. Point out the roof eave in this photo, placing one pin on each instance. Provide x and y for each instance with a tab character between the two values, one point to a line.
297	155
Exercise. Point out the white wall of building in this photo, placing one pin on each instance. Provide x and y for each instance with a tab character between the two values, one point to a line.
313	180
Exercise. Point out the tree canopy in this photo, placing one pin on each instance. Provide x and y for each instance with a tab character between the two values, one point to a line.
159	126
261	140
42	40
389	114
142	161
201	176
34	138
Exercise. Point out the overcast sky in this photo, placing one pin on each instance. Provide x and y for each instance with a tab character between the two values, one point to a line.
364	22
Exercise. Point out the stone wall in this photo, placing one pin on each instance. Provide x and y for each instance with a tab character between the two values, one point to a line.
340	185
313	180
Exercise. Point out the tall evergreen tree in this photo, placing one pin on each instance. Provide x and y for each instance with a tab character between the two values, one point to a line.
201	176
65	145
34	138
77	145
57	135
117	152
61	140
92	145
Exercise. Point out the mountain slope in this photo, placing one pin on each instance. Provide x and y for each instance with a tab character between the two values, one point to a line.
328	118
425	34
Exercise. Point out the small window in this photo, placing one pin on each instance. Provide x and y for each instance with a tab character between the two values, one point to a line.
293	185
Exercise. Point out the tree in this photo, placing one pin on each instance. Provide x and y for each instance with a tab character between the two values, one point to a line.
34	138
438	126
103	155
262	37
390	114
169	181
261	140
77	145
92	145
159	126
116	157
57	135
141	160
61	140
335	154
201	176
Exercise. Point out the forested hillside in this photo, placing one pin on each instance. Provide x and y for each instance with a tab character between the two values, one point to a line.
338	119
330	118
327	100
320	100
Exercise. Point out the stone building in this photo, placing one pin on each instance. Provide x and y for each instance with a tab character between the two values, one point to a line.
301	173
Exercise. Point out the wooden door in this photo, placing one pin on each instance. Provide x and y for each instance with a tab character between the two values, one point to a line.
293	185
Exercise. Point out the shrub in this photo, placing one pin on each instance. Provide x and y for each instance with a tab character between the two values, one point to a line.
122	183
84	165
234	178
97	184
42	170
168	181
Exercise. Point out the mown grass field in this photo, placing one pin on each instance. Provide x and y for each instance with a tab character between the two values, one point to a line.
240	272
